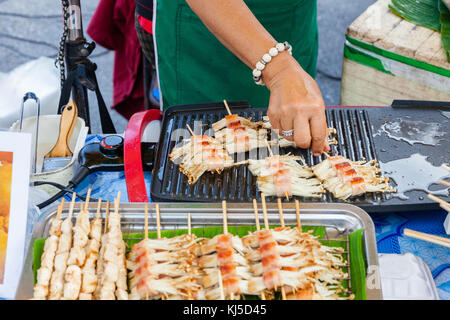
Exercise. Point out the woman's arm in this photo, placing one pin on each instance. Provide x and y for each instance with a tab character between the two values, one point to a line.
295	99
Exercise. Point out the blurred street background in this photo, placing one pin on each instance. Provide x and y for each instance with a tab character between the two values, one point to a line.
32	28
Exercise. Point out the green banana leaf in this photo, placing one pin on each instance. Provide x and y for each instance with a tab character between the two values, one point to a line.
445	27
432	14
421	12
355	247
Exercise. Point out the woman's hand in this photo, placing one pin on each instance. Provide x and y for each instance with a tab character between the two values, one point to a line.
296	103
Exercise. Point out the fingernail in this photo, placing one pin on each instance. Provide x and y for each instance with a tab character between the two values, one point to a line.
316	154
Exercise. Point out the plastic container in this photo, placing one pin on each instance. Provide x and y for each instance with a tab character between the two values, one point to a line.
406	277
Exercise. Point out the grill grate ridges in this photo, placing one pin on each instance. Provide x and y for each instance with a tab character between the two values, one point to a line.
237	184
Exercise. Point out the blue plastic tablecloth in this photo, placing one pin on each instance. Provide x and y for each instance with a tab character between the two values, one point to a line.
388	226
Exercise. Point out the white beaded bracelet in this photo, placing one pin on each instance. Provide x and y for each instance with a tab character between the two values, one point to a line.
266	58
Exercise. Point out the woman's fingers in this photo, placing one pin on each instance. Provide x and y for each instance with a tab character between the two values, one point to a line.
327	145
319	132
273	113
287	124
302	135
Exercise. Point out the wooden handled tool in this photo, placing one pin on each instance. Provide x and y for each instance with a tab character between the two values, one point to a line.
66	127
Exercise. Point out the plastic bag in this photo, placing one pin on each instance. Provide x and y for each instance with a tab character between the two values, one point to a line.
39	76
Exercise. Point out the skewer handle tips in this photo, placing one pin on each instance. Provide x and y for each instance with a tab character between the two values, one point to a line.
227	107
225	220
158	221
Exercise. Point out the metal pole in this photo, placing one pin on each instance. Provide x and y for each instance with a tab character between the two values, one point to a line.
75	23
76	49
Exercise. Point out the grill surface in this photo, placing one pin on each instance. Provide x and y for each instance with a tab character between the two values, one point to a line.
237	184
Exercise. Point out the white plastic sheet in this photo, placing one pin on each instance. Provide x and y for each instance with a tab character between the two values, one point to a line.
39	76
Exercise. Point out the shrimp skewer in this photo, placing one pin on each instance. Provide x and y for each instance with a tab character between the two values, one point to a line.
164	268
345	178
301	266
199	155
284	176
231	263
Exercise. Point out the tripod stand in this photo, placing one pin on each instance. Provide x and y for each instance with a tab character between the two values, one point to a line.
74	52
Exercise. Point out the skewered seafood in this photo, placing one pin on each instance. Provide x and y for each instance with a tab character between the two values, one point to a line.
301	264
283	175
233	267
234	121
200	154
271	165
187	267
345	178
239	134
175	279
160	266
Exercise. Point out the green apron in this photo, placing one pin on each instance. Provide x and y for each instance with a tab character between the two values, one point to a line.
194	67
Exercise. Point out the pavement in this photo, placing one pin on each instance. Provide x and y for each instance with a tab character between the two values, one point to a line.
32	28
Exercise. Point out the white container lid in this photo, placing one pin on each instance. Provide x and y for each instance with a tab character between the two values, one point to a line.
406	277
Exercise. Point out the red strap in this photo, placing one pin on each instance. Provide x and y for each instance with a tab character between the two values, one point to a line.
134	173
146	24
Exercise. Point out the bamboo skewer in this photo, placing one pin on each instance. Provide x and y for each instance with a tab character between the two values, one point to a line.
255	207
117	203
158	230
280	211
86	203
225	231
263	202
189	233
227	107
444	204
60	209
158	221
427	237
445	183
189	223
108	204
99	207
190	130
446	167
72	205
258	228
297	213
224	212
146	232
146	222
431	236
222	292
271	154
266	225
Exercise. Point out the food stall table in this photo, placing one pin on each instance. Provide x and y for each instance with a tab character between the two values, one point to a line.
388	225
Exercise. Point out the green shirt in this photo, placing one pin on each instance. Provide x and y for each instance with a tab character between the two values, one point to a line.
194	67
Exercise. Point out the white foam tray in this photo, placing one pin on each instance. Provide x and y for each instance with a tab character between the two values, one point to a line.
406	277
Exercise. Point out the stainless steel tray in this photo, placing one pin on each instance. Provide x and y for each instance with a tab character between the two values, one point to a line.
339	221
